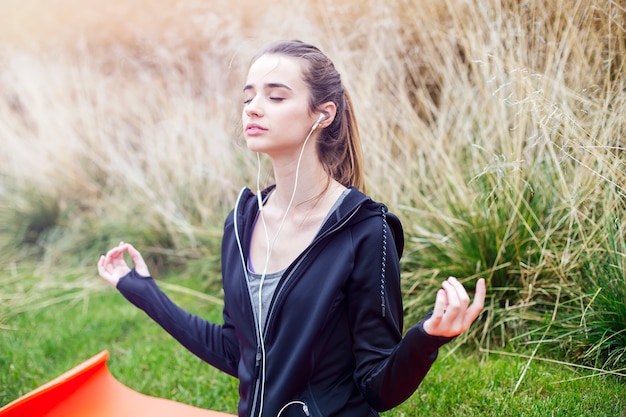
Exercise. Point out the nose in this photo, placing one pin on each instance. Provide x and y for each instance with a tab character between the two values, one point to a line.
253	108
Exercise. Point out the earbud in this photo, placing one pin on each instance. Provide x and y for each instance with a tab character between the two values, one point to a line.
319	120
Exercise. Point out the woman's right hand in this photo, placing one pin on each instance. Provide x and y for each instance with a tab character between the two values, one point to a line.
112	266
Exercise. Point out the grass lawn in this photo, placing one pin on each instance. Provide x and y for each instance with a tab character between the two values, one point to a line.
38	345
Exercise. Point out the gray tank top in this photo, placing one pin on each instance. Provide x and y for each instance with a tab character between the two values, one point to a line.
271	280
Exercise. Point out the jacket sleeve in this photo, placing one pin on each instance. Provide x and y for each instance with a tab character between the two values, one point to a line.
389	367
211	342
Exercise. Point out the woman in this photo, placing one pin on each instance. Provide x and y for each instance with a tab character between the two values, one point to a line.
312	301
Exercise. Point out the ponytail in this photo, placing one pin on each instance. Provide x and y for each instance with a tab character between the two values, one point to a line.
343	157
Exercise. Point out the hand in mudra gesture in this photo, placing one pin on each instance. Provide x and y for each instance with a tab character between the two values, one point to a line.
113	266
453	314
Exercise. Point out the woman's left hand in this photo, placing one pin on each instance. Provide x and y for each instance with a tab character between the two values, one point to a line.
452	314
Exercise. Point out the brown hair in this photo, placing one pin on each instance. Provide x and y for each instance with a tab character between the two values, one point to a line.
339	144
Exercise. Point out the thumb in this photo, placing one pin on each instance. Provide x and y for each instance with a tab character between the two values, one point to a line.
140	264
479	301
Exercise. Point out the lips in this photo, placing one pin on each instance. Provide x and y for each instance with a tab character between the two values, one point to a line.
252	129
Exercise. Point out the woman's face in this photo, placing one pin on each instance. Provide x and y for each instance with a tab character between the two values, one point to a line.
276	117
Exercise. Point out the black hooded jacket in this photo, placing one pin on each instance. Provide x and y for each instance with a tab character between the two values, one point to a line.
332	344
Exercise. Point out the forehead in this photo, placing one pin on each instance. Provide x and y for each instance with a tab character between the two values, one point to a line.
273	68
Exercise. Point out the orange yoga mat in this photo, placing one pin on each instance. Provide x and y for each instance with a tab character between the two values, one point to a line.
89	390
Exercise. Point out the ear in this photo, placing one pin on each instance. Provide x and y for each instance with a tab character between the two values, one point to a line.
330	111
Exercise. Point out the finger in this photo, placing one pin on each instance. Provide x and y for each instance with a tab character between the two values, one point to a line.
461	293
114	253
453	303
101	265
105	263
479	302
102	271
454	320
433	323
441	302
135	255
110	252
140	264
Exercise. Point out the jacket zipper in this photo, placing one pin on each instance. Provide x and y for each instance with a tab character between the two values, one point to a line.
291	269
257	369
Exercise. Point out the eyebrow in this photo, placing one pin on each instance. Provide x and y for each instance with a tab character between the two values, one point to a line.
269	86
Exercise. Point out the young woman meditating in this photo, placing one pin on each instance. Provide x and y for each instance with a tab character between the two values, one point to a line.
313	318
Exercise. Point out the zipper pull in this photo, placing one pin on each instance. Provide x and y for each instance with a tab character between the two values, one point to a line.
258	355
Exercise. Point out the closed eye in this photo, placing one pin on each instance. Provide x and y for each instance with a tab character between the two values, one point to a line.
279	99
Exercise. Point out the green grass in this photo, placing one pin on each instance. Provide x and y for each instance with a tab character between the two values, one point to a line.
468	385
40	344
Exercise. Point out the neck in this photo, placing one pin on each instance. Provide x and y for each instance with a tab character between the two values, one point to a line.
305	184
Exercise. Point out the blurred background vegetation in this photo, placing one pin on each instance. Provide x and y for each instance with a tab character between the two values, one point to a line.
495	129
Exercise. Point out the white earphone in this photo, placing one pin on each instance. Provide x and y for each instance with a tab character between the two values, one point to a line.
319	120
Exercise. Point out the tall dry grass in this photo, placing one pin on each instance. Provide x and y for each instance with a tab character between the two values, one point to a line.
495	129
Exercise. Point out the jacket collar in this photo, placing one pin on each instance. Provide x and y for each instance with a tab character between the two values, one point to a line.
247	203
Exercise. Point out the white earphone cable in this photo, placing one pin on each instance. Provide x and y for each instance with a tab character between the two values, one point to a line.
268	253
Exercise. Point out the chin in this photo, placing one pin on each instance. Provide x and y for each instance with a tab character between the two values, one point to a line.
254	145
